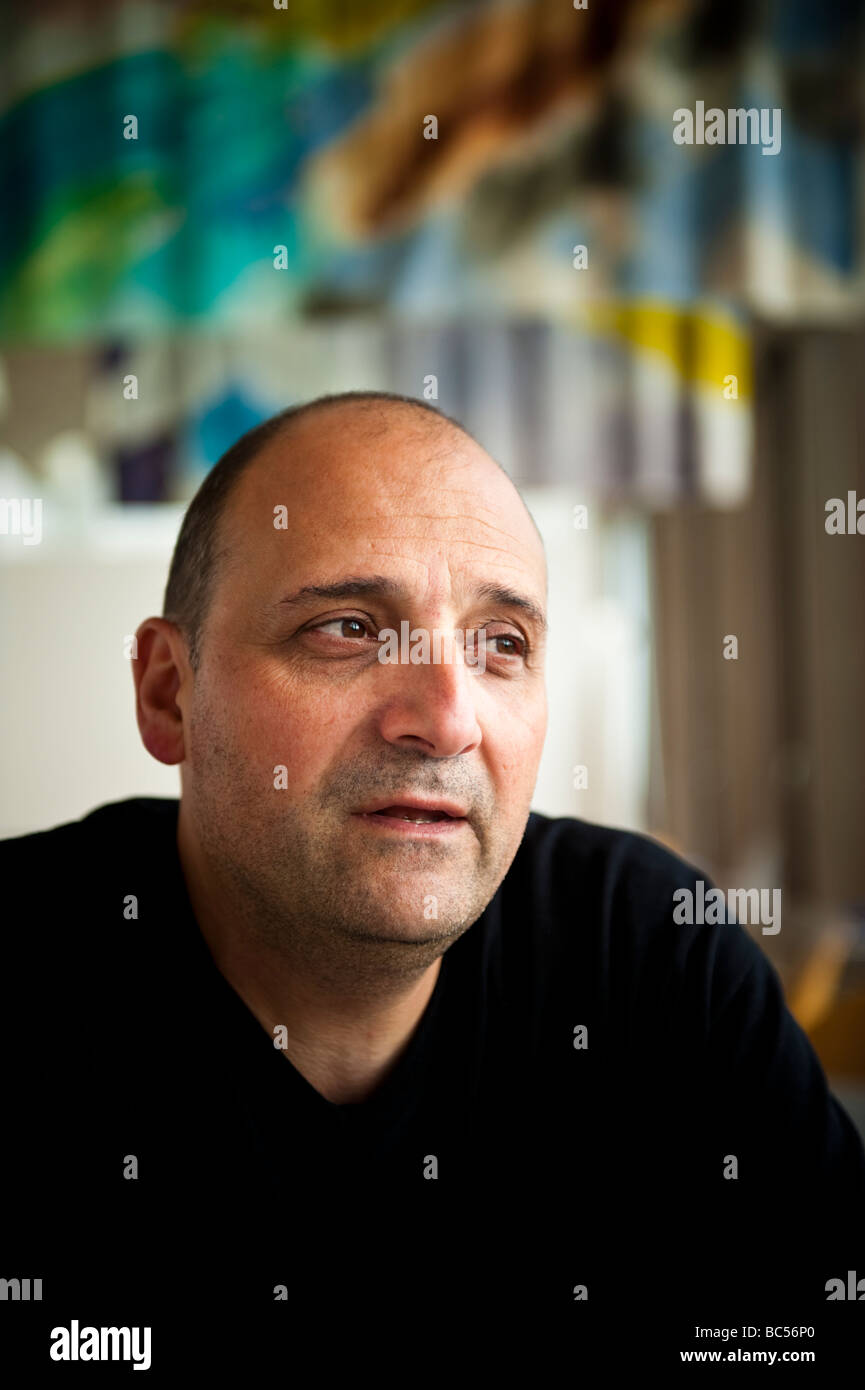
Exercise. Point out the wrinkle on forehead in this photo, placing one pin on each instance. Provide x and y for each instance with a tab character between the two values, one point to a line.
321	483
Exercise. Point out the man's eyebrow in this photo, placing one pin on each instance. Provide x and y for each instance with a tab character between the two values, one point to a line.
379	586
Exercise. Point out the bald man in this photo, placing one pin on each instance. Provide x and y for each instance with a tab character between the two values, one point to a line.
350	1026
328	897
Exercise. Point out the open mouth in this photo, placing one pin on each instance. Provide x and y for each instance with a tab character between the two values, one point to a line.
411	813
418	822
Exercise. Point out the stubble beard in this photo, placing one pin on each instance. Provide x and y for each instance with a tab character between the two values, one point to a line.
293	883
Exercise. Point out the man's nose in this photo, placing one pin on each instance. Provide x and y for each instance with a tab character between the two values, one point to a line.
433	704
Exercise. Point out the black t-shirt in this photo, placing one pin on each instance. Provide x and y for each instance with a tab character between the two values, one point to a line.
559	1136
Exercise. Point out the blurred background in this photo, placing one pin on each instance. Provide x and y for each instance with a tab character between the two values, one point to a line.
213	211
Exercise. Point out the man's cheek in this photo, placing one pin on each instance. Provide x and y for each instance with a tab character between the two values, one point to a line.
291	754
511	772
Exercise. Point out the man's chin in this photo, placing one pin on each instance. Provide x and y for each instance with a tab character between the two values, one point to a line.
392	931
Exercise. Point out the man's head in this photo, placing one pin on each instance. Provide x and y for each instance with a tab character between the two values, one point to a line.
312	535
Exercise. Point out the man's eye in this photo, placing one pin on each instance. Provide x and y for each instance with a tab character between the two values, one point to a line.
346	629
514	645
358	624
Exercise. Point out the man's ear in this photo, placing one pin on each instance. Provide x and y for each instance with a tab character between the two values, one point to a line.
159	669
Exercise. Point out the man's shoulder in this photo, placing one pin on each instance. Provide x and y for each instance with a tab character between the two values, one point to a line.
565	849
109	822
65	889
609	896
87	851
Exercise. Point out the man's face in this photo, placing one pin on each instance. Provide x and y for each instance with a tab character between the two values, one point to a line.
298	685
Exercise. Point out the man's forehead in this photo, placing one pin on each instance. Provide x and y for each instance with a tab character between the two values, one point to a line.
371	453
333	468
328	484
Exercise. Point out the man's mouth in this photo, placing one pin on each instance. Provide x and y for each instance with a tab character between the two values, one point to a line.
415	817
416	807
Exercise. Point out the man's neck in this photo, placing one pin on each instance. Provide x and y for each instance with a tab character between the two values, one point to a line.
344	1049
344	1042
